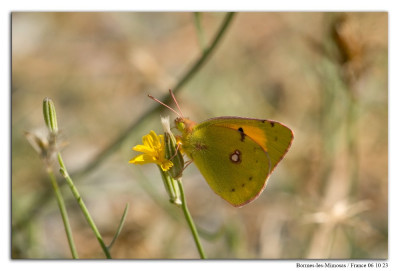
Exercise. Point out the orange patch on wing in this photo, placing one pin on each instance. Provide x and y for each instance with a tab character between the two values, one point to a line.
255	133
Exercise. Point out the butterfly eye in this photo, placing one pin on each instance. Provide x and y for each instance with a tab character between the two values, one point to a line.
180	125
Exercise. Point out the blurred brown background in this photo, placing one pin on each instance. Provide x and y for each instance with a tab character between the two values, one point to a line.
325	75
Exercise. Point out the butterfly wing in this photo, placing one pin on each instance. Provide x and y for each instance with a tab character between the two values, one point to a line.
236	155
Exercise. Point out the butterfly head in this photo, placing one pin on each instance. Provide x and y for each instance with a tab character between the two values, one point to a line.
184	125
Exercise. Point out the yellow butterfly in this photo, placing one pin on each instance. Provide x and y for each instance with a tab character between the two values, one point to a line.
235	155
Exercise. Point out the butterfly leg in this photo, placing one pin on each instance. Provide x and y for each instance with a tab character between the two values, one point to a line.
187	163
176	152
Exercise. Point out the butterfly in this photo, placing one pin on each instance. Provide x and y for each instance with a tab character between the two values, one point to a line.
235	155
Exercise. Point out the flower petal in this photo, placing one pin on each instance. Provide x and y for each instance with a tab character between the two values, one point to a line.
161	141
147	141
143	148
153	150
150	140
142	159
165	165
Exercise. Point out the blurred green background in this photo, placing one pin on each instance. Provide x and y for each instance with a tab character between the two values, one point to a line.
325	75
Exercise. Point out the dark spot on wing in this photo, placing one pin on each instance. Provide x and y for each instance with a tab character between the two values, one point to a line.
250	178
233	190
243	184
276	138
242	134
272	124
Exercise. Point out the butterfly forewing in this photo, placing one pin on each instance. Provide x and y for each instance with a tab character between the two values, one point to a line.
274	137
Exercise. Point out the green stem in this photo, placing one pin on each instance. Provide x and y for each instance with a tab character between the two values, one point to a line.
205	56
82	205
121	224
199	30
63	212
189	220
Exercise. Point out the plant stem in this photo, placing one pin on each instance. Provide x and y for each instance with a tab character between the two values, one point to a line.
189	220
199	31
82	205
121	224
63	212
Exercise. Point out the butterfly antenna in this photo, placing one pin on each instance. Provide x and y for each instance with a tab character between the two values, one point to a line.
177	105
170	108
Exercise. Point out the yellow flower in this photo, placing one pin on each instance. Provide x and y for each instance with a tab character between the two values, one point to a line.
153	149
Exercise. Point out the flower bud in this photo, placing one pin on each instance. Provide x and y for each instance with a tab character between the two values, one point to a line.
173	154
49	114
